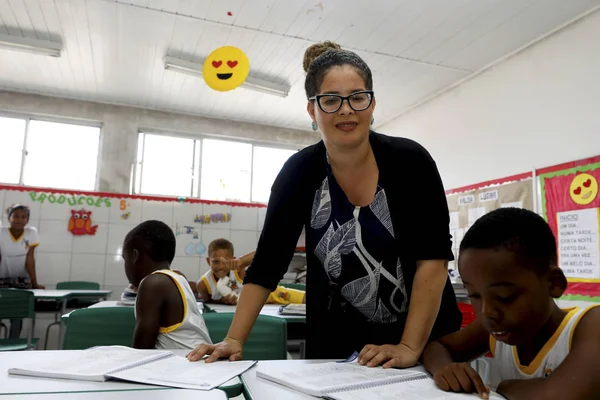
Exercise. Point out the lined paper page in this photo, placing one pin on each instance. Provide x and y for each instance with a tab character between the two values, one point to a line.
412	390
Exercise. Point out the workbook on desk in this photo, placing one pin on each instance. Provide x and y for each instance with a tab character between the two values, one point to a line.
348	380
152	367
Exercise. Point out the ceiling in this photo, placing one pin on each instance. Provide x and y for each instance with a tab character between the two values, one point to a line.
114	49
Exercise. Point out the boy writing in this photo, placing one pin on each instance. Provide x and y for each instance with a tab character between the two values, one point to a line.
223	282
509	267
167	315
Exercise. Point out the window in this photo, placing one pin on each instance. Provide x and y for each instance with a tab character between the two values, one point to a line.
226	170
12	137
266	164
207	168
61	155
57	155
167	165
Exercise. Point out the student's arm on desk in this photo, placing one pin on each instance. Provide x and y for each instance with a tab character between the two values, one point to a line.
148	305
447	360
252	299
576	378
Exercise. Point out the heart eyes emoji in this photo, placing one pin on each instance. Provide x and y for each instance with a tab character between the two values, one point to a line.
231	64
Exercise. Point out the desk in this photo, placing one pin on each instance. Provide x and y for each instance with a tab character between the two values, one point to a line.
46	388
62	296
161	394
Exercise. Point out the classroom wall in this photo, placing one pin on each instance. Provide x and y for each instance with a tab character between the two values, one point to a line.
62	256
537	108
121	125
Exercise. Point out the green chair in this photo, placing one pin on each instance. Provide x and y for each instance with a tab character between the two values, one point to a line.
267	340
71	303
18	304
297	286
89	327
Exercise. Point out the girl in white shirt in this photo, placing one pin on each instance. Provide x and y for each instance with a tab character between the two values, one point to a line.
17	261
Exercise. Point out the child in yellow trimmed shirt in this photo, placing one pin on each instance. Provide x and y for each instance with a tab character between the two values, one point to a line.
224	281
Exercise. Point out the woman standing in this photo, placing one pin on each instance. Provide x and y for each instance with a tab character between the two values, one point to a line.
17	260
377	231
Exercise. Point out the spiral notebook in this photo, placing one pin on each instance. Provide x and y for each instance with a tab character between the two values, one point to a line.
152	367
348	380
327	379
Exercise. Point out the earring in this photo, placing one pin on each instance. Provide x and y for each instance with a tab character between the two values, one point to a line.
372	120
314	126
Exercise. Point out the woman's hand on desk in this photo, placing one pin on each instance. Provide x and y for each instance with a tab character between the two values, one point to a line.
393	356
226	349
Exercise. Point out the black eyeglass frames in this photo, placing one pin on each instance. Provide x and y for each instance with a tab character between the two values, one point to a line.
331	103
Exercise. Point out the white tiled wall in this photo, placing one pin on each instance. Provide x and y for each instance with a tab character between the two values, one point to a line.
62	256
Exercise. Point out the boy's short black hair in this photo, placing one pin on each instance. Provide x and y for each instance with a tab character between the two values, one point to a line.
517	230
153	238
220	244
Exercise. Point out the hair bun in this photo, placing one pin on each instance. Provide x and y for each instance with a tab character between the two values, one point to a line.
316	50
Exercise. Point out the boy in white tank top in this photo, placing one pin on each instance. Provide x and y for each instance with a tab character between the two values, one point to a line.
167	315
509	267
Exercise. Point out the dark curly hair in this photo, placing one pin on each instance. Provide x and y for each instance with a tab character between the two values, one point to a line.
321	57
153	238
517	230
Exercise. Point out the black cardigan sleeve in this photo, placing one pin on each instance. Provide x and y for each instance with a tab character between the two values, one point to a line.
432	231
283	222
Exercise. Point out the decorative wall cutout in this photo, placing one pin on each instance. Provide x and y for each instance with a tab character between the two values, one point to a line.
193	249
80	223
212	218
72	200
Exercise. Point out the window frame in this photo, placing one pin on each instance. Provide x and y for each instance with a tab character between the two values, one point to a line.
199	138
28	117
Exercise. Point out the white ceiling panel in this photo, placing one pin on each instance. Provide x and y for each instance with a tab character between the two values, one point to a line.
114	49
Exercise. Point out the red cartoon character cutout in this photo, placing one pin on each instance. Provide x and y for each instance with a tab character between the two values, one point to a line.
80	223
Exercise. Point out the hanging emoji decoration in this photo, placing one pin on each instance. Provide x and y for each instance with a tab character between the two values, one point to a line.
80	223
226	68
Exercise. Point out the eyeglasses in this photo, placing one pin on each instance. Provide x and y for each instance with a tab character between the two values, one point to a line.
331	103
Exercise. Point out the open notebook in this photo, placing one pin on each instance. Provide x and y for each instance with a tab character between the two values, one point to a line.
152	367
349	380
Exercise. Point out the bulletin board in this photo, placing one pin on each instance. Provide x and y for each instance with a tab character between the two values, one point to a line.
468	204
571	204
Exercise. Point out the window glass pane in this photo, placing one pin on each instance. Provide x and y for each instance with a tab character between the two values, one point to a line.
167	165
267	163
12	134
61	155
225	171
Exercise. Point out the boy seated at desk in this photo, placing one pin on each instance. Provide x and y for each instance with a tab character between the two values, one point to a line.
224	281
167	315
508	265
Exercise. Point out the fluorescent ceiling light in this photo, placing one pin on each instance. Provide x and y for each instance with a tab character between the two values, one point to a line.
29	45
195	69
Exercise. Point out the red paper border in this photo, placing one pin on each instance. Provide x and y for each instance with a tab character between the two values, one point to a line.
567	165
499	181
129	196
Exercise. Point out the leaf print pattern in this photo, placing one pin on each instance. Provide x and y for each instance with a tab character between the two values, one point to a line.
321	210
380	208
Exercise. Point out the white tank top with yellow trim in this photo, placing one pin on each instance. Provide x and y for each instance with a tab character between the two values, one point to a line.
506	365
191	331
235	283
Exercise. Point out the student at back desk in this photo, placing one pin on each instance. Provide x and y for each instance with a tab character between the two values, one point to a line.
509	266
224	281
167	315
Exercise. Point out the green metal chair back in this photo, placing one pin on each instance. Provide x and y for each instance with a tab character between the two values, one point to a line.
267	340
297	286
89	327
77	285
18	304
